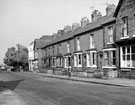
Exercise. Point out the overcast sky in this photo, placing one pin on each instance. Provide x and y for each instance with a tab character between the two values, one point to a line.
21	21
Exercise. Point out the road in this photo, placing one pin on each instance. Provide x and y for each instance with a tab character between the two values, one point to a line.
38	90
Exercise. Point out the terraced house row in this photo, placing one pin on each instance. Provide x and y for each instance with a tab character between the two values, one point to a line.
105	46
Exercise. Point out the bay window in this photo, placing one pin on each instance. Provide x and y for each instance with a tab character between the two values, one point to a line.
78	60
91	59
128	56
109	56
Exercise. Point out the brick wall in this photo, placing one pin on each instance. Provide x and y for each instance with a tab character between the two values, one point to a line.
127	9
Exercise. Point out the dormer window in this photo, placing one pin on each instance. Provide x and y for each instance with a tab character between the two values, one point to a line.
92	41
78	44
124	27
110	34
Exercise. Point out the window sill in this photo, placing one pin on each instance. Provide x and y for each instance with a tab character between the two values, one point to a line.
110	43
67	67
126	37
77	66
113	67
91	66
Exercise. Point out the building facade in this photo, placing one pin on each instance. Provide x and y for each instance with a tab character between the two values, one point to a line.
81	49
125	37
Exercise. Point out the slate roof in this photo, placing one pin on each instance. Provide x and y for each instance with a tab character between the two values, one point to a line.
39	43
91	26
44	37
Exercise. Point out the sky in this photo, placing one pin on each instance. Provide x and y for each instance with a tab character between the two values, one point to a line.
22	21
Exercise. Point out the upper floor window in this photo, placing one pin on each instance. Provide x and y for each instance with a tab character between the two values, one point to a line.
53	49
60	48
68	47
78	44
92	41
110	34
124	27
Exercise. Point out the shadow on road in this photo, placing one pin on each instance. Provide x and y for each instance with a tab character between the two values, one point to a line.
11	85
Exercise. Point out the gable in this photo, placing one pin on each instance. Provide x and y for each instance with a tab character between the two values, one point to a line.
123	6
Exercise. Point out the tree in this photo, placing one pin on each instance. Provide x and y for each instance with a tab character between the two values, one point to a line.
17	57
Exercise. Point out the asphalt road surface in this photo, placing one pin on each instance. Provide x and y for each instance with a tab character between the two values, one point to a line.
38	90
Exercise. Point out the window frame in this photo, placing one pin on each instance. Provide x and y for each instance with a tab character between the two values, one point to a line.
78	63
91	41
78	44
124	27
125	63
110	34
91	59
110	58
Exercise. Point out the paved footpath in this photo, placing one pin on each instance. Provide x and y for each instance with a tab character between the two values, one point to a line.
9	97
111	82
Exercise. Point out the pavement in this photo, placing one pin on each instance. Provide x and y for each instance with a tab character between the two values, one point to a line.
8	97
111	82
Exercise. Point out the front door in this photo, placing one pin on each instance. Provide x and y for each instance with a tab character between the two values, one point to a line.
100	61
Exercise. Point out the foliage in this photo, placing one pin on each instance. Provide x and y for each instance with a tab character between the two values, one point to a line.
17	57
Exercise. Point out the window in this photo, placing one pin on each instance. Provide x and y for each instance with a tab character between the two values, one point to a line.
53	49
78	44
75	60
78	60
124	27
91	58
67	60
113	58
68	47
53	61
60	48
92	41
88	59
110	34
106	58
128	56
59	62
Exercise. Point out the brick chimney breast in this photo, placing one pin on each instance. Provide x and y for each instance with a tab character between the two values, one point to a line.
75	26
95	15
67	29
110	9
84	21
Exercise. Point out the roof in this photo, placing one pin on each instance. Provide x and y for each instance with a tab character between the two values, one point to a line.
44	37
109	19
91	26
39	43
118	8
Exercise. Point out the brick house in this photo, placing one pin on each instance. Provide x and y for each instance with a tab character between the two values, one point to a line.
36	52
81	49
109	50
125	37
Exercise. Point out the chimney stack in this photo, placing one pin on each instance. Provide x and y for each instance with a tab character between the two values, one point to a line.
84	21
95	15
67	29
75	26
110	9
